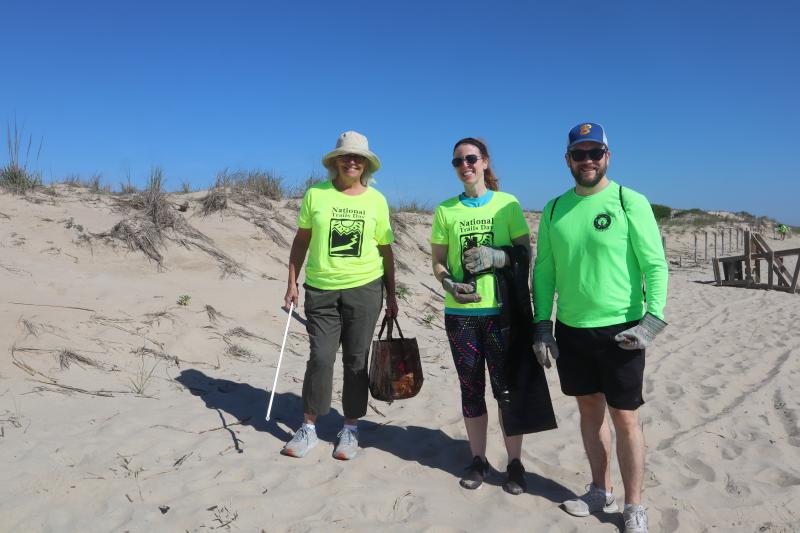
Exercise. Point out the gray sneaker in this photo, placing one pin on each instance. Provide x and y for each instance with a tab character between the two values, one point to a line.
347	447
303	440
593	501
635	518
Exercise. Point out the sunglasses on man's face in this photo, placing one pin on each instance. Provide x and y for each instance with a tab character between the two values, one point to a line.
595	154
471	159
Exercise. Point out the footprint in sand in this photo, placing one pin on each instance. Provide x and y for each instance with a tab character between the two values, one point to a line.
736	489
730	450
669	520
675	391
701	469
778	477
685	482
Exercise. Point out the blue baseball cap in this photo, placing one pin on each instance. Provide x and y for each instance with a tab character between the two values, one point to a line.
587	132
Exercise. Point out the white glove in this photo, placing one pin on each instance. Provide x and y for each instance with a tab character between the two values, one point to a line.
464	293
483	258
543	341
640	336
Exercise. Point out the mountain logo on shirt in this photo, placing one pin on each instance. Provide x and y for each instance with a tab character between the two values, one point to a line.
345	237
602	222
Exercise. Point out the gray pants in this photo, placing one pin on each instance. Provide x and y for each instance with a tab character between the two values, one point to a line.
345	317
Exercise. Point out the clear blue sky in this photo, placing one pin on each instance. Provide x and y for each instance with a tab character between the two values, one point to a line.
699	98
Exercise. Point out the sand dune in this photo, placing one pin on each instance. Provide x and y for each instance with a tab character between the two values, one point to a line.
121	409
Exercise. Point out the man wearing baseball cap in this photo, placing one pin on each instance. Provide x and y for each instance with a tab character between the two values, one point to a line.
599	248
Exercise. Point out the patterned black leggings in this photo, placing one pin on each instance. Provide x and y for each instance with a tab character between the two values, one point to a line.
473	340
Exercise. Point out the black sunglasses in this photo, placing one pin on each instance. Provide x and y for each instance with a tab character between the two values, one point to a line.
595	154
470	159
354	157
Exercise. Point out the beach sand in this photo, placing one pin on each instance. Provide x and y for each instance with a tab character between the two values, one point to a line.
121	410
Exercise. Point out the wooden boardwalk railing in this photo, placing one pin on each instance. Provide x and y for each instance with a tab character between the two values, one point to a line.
745	270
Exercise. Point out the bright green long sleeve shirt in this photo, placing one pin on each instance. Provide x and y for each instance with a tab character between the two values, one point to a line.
605	263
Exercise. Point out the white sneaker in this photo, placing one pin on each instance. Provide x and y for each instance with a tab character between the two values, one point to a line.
635	518
303	440
594	501
347	447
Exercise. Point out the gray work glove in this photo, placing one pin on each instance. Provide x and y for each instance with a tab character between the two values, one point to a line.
464	293
483	258
543	341
640	336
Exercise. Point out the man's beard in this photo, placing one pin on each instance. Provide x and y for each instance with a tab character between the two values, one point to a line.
599	175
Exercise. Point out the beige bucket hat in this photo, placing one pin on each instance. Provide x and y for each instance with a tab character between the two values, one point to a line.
352	142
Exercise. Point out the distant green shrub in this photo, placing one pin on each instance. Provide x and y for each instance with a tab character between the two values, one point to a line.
661	212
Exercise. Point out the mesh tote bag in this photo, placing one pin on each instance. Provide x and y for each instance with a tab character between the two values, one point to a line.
395	370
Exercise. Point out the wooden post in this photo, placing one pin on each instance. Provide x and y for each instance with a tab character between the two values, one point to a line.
715	244
730	240
770	269
705	248
695	248
793	286
664	244
748	273
722	237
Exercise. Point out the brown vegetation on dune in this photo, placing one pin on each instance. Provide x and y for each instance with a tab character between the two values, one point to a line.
156	221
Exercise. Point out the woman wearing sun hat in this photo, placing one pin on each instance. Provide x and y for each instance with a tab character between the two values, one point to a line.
472	238
344	228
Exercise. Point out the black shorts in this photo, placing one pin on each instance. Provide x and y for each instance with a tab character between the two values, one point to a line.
591	361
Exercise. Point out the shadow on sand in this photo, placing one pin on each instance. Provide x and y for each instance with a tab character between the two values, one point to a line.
429	447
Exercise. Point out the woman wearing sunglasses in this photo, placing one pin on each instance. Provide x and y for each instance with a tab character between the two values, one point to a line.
344	227
466	239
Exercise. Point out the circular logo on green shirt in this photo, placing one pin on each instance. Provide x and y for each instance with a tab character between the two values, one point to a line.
602	222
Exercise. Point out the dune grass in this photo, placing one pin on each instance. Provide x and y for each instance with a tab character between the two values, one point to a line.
412	206
241	186
299	190
94	183
16	177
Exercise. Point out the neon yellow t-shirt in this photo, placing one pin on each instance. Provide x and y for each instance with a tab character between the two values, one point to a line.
345	234
596	256
461	227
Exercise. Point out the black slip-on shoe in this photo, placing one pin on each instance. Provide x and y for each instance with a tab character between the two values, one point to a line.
515	478
475	472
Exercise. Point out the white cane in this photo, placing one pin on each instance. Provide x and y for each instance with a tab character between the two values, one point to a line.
280	358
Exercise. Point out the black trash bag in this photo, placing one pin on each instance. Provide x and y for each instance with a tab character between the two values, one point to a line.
525	400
